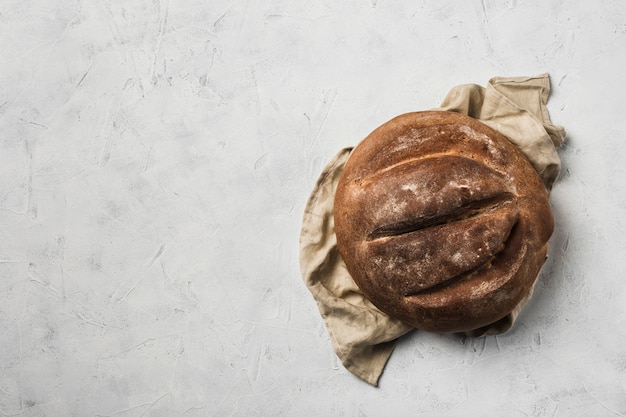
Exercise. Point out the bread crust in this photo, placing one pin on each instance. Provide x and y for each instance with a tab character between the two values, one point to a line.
441	221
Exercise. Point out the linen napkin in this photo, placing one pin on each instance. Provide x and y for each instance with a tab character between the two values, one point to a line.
362	336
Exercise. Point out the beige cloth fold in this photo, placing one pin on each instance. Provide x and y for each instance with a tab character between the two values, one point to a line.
362	336
517	108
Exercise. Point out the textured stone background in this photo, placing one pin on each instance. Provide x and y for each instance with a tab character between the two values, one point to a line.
155	159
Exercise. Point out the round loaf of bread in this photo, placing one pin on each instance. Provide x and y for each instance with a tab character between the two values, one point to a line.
441	221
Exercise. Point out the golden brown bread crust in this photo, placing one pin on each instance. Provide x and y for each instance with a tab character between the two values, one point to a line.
441	221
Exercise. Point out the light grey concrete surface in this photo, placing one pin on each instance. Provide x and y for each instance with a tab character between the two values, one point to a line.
155	159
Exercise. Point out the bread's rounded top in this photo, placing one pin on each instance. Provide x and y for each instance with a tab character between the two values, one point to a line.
441	221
